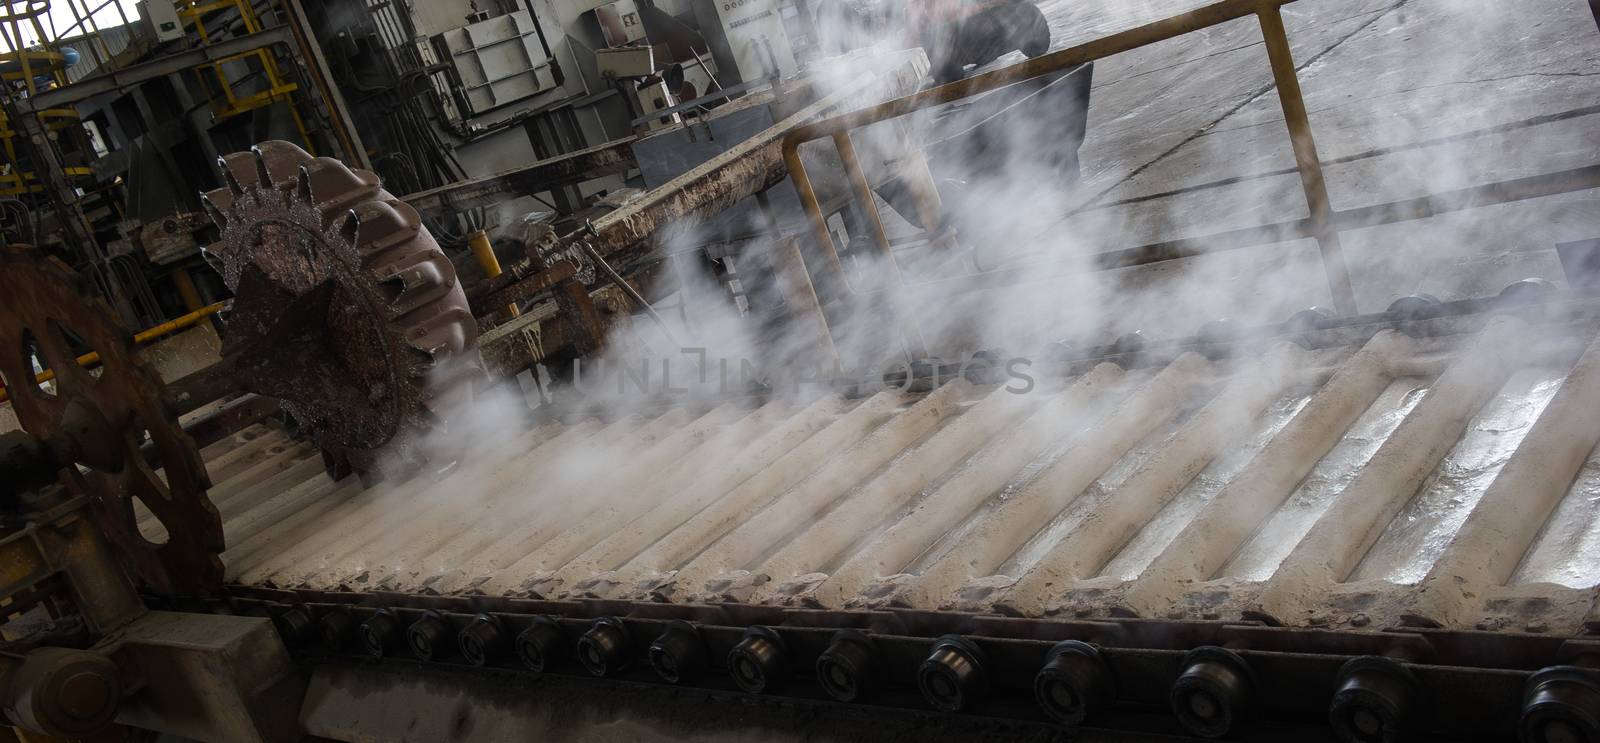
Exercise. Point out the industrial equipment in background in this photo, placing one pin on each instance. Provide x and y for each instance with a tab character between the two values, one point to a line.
116	115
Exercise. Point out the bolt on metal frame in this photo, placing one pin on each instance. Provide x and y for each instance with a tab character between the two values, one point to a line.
1324	223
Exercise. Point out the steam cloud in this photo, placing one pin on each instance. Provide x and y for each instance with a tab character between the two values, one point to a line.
1408	97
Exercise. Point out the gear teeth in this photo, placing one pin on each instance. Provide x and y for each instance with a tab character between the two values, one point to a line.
239	170
263	176
216	211
398	271
350	228
213	257
302	185
234	187
279	162
441	334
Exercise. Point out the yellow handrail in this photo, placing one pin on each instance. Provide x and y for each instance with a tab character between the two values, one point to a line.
143	336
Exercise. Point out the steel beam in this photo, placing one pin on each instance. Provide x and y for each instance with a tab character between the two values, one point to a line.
611	158
1474	197
130	76
317	66
1204	17
1306	159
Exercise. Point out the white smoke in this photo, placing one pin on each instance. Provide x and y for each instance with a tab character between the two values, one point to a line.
1185	138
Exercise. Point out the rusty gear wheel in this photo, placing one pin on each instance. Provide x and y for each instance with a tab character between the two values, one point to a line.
101	417
345	309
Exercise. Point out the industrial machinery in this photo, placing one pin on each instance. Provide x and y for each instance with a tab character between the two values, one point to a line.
1336	526
345	310
113	125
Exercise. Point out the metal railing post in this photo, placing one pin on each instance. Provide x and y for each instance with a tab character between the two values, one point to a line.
911	336
813	209
1305	157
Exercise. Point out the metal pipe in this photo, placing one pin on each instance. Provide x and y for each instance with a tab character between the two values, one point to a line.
1423	207
1306	159
483	251
819	223
316	66
187	290
800	297
1150	33
911	336
144	336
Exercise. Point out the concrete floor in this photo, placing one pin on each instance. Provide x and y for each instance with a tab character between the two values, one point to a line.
1406	97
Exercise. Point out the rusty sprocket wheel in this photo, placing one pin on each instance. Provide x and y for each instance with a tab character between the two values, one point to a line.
345	308
107	412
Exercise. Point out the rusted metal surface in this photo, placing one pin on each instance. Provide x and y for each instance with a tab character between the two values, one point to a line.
632	292
621	237
230	418
144	336
80	648
578	314
530	287
200	388
612	158
345	308
542	333
101	418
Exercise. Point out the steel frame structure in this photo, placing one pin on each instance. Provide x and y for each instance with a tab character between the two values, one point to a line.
1325	223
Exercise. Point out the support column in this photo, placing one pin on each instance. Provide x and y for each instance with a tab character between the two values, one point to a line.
1306	159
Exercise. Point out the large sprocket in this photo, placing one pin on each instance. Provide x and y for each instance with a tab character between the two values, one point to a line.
345	309
102	417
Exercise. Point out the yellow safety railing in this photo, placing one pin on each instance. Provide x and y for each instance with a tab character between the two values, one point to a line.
27	63
144	336
278	89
